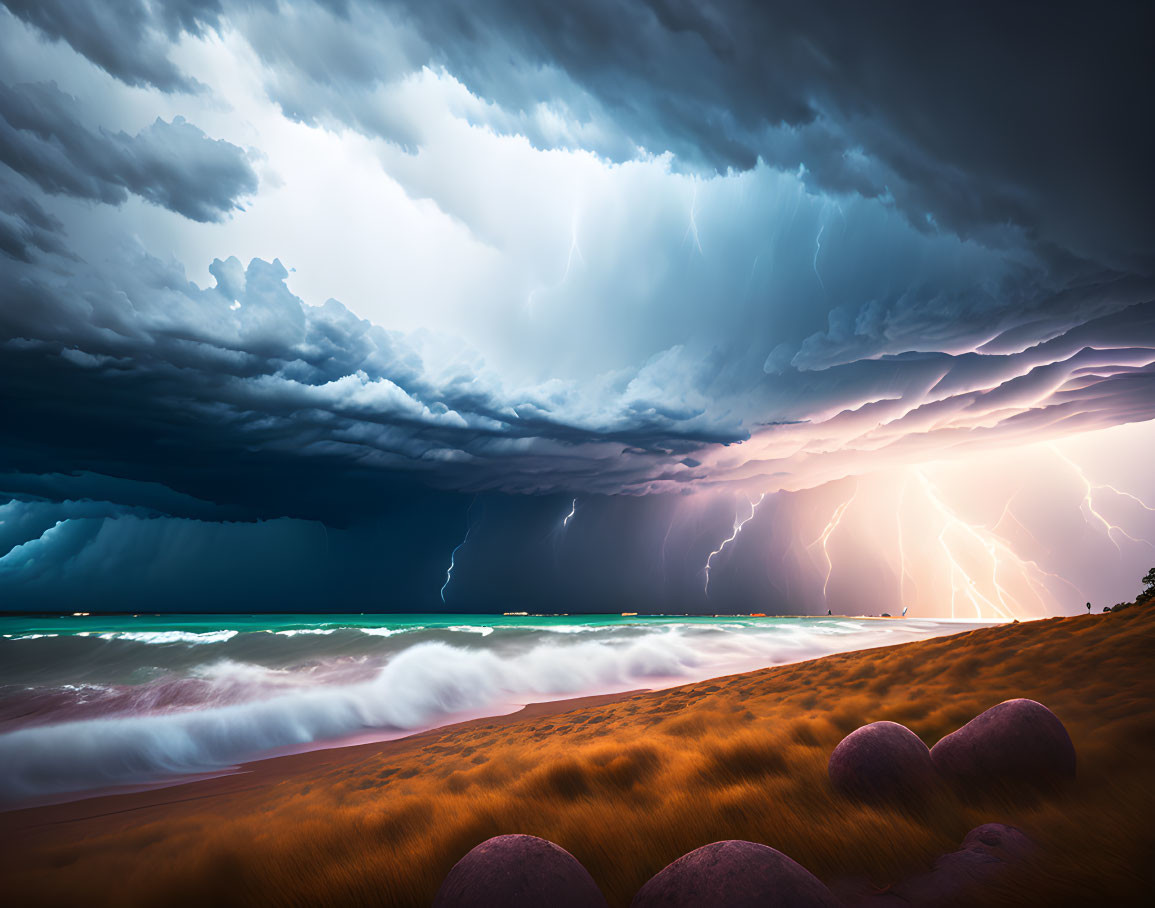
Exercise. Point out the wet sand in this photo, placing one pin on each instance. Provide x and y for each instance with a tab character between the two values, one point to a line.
629	782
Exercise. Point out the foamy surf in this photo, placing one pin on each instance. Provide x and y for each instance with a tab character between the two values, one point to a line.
168	702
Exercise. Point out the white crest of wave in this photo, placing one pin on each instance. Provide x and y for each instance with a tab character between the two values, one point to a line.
420	687
471	629
160	637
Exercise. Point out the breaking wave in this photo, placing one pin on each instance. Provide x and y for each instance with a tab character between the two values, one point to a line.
197	716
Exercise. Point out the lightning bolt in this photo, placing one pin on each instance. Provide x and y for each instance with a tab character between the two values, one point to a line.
969	585
453	554
818	249
999	553
824	538
569	516
1122	494
1007	512
738	524
1088	503
692	227
574	248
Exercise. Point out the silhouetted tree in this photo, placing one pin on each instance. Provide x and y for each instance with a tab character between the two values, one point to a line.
1149	579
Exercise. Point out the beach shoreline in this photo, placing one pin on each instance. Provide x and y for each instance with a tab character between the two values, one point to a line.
161	792
739	756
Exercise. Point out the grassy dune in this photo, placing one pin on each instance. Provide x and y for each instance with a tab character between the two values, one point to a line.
629	786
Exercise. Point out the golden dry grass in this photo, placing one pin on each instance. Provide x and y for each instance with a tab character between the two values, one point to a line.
628	787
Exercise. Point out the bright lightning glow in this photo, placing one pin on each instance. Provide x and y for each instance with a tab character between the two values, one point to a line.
1001	556
969	585
738	524
569	516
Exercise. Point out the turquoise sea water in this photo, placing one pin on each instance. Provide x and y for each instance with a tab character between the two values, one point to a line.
16	626
94	701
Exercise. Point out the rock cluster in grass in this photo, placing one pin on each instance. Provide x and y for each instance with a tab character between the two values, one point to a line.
1016	745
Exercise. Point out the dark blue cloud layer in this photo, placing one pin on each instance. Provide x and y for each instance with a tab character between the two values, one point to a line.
173	165
968	117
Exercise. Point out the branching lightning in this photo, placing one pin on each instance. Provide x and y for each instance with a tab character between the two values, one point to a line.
1000	554
969	585
824	537
1088	504
995	566
739	522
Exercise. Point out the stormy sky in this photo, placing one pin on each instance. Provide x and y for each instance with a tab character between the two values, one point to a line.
296	295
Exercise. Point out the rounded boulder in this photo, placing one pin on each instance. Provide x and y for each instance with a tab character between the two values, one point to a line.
1019	742
881	761
519	871
736	874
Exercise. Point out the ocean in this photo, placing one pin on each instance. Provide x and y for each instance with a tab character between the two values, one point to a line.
92	703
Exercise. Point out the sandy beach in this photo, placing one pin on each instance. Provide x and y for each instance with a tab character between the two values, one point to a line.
629	782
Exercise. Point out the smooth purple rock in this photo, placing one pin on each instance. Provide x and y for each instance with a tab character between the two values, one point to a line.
518	871
881	761
1019	742
736	874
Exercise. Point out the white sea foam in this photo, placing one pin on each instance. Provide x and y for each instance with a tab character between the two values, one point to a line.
160	637
305	632
421	686
471	629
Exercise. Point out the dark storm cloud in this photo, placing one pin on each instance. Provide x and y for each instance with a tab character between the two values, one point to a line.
990	120
969	117
144	375
174	165
130	39
975	115
241	394
26	228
